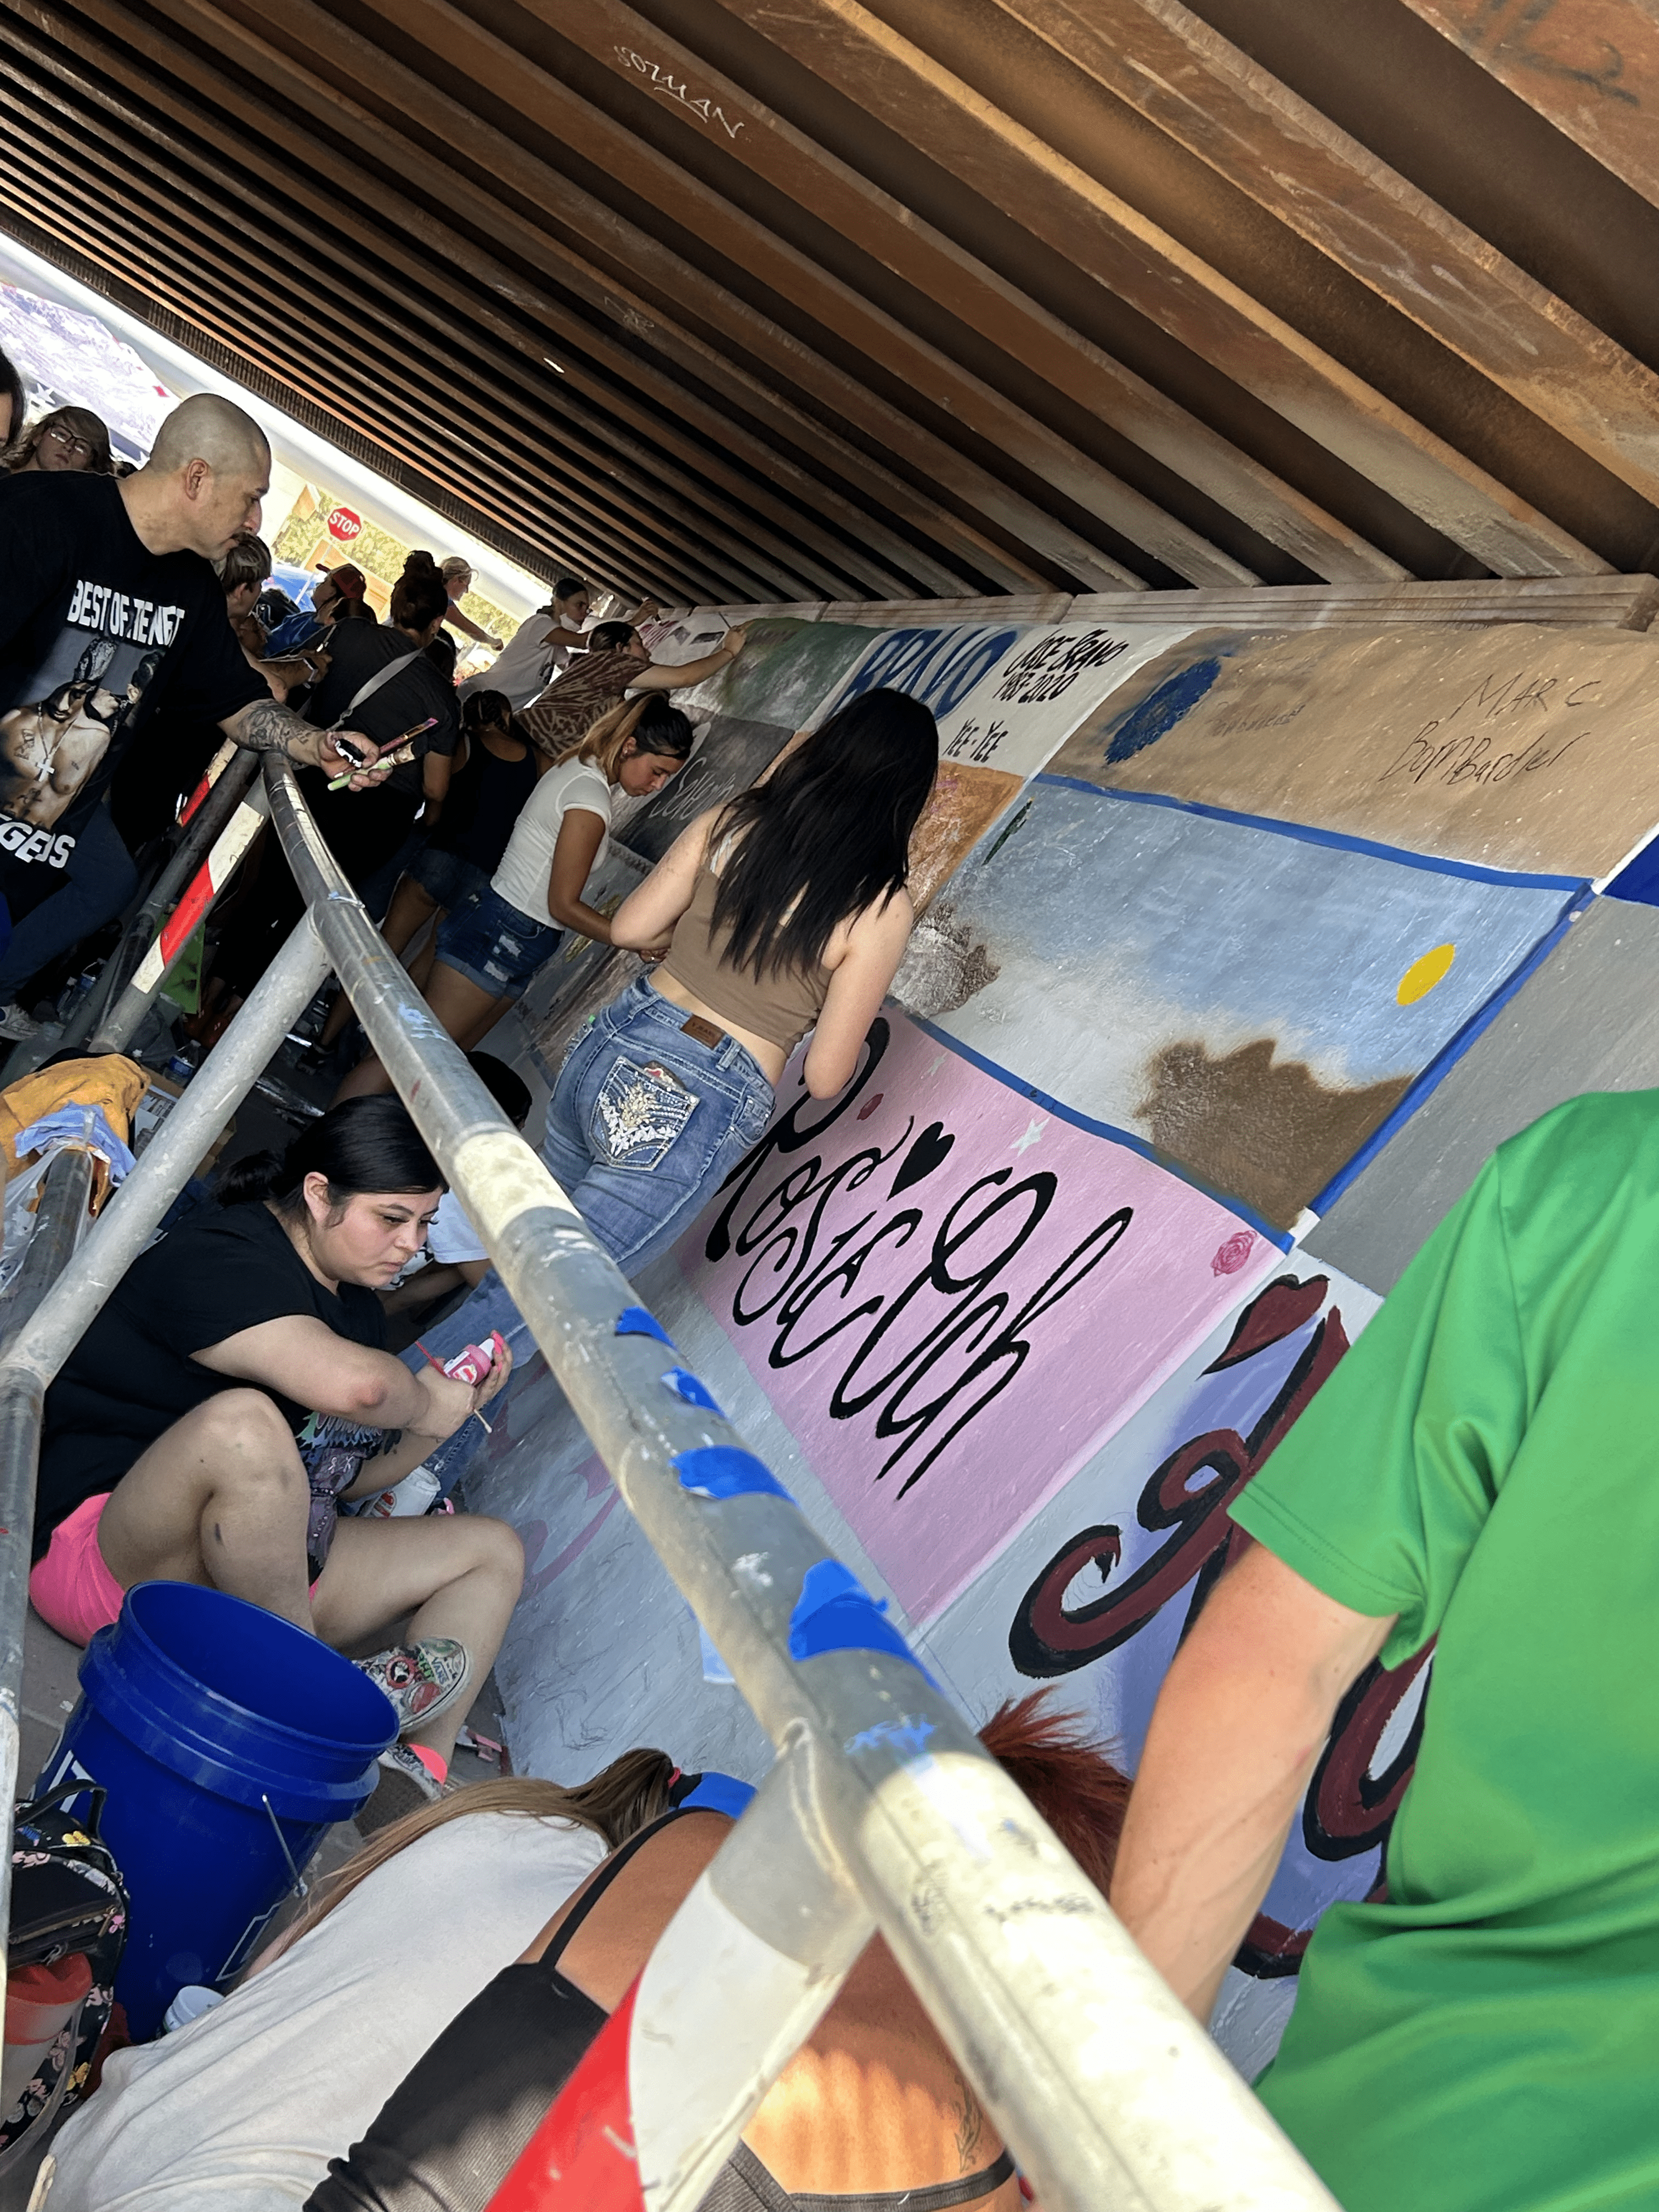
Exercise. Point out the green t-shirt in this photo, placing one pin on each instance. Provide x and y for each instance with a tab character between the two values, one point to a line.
1485	1463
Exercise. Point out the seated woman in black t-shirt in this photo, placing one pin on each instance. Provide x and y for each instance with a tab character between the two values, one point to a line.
234	1390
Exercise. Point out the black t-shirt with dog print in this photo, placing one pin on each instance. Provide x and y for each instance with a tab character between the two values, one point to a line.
95	630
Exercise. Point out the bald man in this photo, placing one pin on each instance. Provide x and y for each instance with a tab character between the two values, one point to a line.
119	574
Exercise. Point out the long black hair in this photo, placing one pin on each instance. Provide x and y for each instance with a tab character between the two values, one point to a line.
362	1144
827	835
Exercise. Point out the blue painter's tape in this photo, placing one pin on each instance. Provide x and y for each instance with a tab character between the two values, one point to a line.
1447	1058
634	1321
1339	840
684	1384
714	1669
722	1471
835	1613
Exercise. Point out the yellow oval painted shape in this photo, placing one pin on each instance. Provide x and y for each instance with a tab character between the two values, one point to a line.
1421	978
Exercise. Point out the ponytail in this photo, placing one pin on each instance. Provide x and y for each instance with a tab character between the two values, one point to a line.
363	1144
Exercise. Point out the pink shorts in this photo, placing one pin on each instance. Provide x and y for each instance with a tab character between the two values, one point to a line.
71	1589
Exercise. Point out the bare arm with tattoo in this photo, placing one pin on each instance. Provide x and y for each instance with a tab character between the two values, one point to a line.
266	726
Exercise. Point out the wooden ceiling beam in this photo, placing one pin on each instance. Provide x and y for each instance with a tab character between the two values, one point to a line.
923	257
565	209
443	261
1591	67
1168	65
148	263
971	138
318	96
748	244
257	318
352	325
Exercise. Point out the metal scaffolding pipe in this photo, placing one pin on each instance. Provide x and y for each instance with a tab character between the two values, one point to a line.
43	1342
1110	2094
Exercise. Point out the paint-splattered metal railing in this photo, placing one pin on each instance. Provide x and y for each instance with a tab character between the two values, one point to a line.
882	1812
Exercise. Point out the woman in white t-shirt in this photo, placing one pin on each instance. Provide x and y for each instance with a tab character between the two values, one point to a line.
543	646
242	2109
494	941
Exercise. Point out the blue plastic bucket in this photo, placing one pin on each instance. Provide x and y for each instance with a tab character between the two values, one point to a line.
229	1741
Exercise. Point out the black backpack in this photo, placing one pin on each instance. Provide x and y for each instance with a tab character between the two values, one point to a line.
66	1895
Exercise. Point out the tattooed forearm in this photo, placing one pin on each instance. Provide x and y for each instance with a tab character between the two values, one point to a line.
268	727
970	2125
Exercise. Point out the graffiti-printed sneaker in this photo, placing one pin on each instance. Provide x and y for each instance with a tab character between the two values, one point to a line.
422	1679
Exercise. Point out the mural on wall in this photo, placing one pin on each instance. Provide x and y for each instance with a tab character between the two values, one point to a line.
1250	1003
1096	1592
786	673
1519	747
1206	915
950	1297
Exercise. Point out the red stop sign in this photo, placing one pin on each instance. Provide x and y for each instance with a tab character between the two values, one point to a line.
344	524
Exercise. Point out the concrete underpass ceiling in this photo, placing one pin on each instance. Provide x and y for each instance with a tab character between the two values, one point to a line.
764	300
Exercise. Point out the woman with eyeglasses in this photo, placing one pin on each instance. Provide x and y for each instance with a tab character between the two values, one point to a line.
69	438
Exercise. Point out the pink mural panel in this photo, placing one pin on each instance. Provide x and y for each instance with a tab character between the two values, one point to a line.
951	1295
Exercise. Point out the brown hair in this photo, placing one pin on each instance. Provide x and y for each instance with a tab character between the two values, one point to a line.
248	562
657	727
621	1799
418	596
1068	1773
80	422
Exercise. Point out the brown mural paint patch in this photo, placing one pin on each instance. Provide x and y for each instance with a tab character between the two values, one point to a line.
1268	1132
965	802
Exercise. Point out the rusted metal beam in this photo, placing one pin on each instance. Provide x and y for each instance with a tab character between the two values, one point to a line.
968	136
754	135
955	390
1168	64
565	209
1591	66
541	248
195	94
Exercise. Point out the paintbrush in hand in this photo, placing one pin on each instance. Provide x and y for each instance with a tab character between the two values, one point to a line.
401	750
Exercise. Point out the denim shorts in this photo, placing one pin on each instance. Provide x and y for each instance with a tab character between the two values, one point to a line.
645	1122
447	877
494	945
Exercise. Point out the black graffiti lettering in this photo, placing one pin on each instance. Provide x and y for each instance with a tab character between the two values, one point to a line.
964	1346
1007	1351
788	1134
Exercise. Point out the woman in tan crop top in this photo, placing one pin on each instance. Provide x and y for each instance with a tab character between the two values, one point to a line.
783	911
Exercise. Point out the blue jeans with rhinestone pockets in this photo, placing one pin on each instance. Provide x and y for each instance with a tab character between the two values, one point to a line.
645	1123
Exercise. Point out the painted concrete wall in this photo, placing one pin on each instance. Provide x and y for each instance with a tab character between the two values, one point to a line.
1215	959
